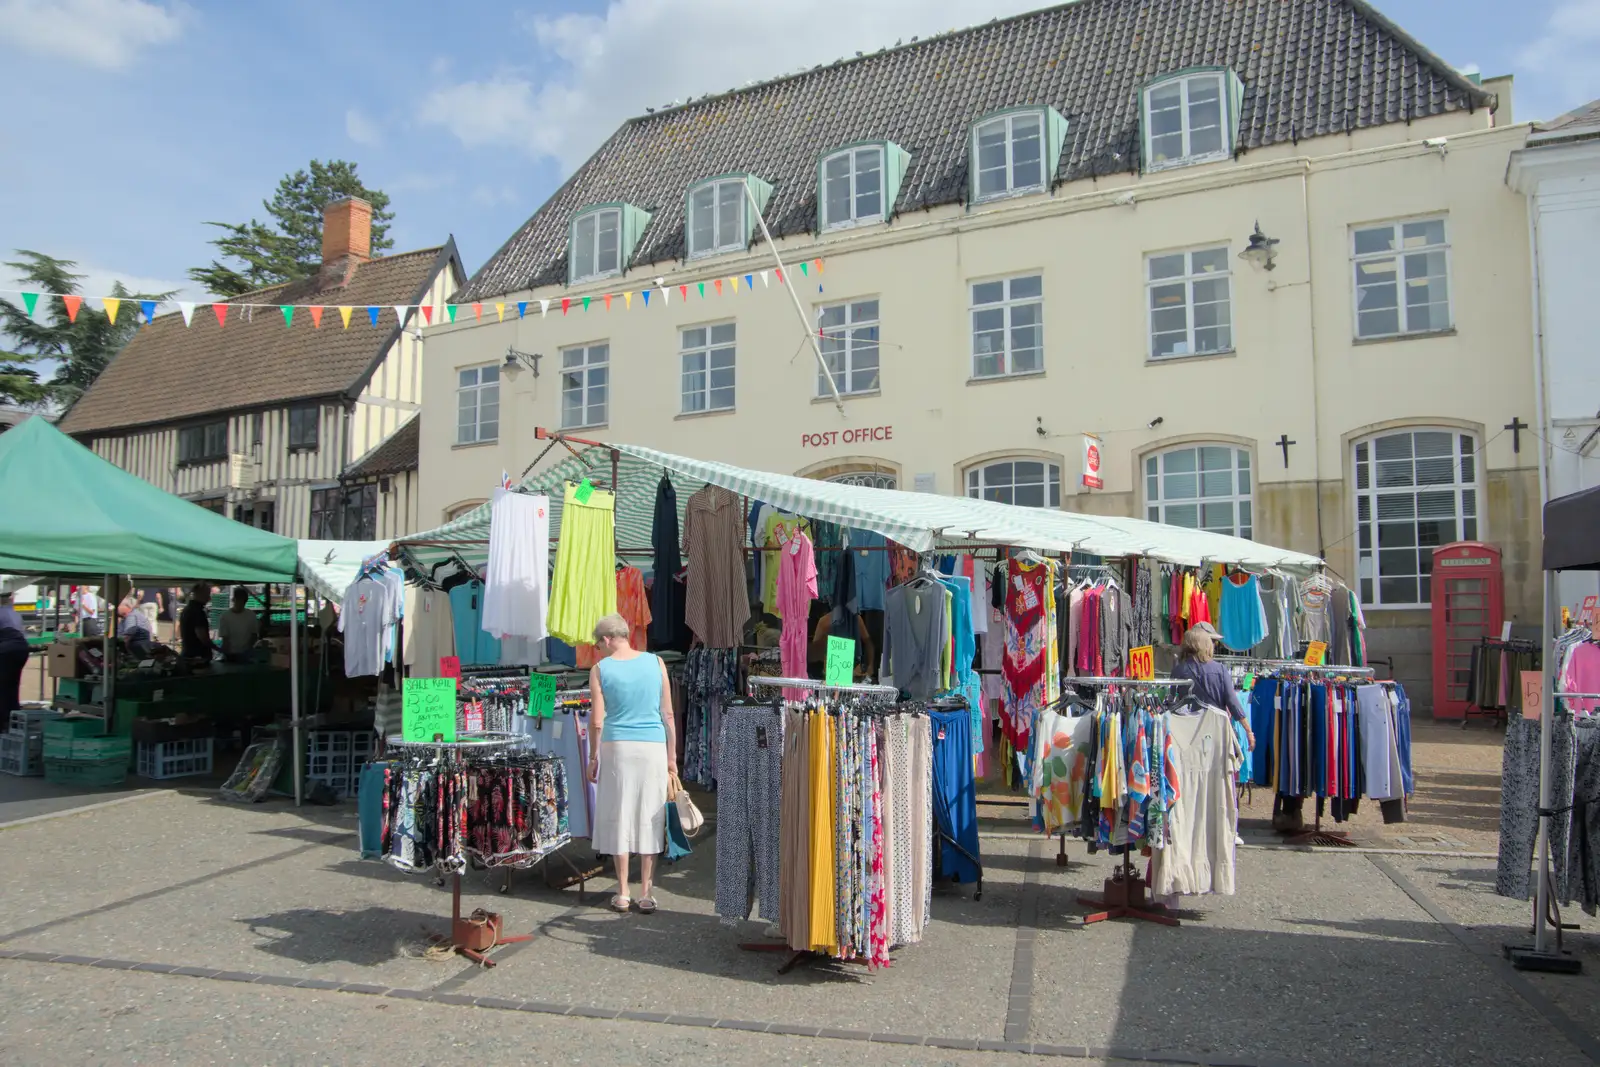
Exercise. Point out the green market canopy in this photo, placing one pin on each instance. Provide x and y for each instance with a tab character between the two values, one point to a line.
920	521
67	513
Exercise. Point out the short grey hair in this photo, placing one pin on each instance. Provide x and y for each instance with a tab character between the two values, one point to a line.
1197	645
612	625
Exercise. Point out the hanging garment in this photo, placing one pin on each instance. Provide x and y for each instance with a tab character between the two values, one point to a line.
430	631
780	529
667	628
749	802
1061	769
1583	855
1199	852
1026	667
634	607
870	558
516	590
372	605
915	630
474	646
584	588
1380	753
796	588
1519	802
718	603
564	736
1244	619
955	805
822	934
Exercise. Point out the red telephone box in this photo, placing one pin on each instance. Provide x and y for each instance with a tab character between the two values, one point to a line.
1468	605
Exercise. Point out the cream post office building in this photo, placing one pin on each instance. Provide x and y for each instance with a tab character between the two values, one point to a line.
1036	229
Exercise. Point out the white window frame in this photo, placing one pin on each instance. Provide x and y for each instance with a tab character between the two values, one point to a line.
1399	254
1465	448
871	477
854	154
477	390
591	357
1008	304
1009	119
974	479
720	242
595	215
1187	279
702	392
847	353
1159	506
1188	158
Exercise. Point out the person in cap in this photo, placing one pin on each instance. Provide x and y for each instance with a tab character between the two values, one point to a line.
1212	683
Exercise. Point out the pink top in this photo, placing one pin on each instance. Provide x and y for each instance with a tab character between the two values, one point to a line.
797	587
1582	675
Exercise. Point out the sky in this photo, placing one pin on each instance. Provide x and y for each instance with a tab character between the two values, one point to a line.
147	118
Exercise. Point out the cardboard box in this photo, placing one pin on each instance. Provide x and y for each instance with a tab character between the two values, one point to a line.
63	657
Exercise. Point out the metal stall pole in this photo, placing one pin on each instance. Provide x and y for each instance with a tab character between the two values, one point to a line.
108	657
294	692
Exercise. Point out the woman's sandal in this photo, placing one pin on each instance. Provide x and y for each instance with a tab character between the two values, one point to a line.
647	905
620	903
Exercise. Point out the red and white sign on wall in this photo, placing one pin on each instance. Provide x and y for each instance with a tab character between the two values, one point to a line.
1091	462
847	437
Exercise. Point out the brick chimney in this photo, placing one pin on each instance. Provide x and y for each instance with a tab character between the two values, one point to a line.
346	235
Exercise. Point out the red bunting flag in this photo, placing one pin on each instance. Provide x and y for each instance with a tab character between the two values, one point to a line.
316	316
817	263
683	291
608	301
718	284
566	302
477	311
427	314
221	311
73	304
780	274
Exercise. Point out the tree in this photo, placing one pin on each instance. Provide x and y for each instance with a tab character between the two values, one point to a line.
80	350
289	246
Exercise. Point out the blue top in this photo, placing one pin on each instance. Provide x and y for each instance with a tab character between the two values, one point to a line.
1213	684
1244	622
632	692
12	636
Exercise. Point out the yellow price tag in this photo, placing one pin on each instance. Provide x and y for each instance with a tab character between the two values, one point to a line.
1316	652
1142	662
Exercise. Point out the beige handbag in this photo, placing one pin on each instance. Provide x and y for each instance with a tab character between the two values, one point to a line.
688	815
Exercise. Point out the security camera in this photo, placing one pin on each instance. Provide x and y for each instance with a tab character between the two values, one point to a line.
1157	421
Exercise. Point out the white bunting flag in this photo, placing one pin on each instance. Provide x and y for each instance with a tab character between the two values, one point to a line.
544	307
766	282
666	294
400	312
187	309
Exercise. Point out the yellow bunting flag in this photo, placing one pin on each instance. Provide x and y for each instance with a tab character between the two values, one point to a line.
500	309
344	314
111	304
627	300
735	280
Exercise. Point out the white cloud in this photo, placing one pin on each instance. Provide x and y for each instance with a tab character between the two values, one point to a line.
1470	68
1558	70
97	282
361	129
104	34
646	53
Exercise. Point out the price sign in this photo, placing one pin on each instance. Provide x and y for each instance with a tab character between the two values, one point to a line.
450	667
1586	614
1532	694
1142	662
542	696
584	491
1315	653
841	661
428	709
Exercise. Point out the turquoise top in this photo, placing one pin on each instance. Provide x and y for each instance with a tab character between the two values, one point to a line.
632	692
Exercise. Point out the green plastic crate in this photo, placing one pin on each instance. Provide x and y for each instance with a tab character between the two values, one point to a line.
71	728
85	773
102	748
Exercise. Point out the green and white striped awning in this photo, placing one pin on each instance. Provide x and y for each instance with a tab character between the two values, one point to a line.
920	521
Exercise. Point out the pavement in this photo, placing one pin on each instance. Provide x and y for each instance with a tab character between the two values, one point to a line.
183	929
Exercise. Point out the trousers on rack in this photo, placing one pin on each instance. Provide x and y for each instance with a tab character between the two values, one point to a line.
750	795
1519	801
955	797
1582	862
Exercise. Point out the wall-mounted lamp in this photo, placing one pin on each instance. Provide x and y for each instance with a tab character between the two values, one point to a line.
1260	252
515	361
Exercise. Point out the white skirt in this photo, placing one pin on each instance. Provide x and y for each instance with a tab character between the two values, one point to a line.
631	798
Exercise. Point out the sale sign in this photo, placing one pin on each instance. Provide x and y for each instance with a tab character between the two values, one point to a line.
1142	662
1315	652
1091	462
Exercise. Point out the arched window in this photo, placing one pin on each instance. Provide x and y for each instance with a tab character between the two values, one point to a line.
1032	483
1415	490
1202	487
455	511
873	478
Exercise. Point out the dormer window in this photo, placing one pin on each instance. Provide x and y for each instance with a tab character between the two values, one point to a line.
719	213
859	184
1191	117
1015	152
602	240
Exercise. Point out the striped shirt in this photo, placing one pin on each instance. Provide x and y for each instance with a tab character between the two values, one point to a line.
717	604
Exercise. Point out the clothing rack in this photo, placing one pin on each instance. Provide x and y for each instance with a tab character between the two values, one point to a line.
888	691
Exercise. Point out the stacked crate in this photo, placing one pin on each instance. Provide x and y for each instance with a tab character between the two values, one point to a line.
22	745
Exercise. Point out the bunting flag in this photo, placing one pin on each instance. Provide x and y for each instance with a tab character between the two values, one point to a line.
72	303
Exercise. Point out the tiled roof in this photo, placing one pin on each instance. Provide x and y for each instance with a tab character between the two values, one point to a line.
1309	67
397	454
169	371
1579	122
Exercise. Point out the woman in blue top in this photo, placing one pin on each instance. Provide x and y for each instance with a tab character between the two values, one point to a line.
634	751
